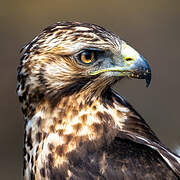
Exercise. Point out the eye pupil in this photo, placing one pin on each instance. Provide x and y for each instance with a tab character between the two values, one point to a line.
87	55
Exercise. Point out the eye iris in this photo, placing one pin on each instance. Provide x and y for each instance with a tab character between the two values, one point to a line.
87	56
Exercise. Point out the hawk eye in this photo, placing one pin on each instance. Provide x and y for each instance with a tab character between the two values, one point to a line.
87	56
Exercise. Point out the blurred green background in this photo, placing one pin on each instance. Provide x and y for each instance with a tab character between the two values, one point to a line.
152	27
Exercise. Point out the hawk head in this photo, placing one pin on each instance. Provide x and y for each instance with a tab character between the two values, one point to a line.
73	57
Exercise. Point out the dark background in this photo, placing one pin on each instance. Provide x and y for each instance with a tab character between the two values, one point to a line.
152	27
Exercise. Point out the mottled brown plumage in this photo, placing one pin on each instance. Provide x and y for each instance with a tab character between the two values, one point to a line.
76	126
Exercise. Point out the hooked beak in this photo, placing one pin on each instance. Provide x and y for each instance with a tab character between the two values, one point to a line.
129	64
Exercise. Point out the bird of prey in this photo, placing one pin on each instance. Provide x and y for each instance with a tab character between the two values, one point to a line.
76	126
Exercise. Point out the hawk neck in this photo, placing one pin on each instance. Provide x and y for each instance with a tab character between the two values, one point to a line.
75	127
58	138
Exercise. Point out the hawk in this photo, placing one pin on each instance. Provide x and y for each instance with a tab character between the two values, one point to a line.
76	126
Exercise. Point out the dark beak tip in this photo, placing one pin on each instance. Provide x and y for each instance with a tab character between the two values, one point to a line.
148	80
147	74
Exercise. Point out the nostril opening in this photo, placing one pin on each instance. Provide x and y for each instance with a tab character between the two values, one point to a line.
128	59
